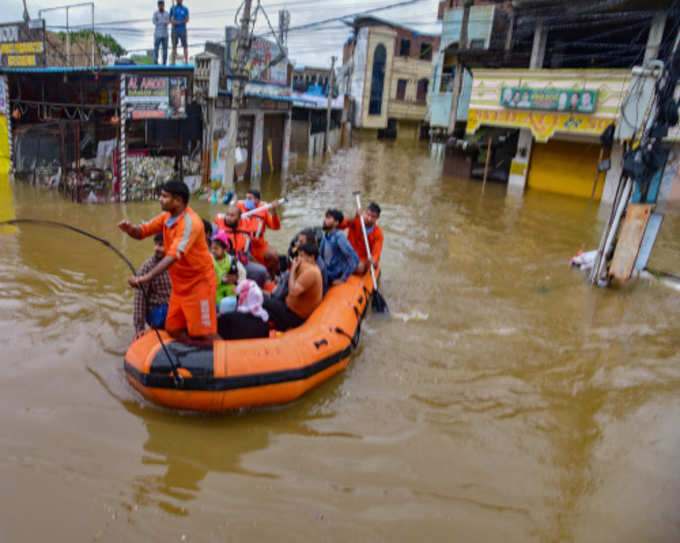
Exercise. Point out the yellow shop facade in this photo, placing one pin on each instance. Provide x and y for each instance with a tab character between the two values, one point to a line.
558	116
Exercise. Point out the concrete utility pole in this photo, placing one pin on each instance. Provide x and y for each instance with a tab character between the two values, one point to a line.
238	92
458	77
330	102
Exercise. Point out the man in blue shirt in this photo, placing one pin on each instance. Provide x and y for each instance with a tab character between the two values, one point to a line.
179	17
335	250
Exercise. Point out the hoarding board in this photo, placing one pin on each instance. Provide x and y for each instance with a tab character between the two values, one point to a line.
583	101
22	44
155	97
262	53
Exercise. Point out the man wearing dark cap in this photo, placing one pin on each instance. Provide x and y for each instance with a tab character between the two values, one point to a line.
192	316
161	20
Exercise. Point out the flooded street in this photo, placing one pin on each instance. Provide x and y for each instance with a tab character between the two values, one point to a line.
505	400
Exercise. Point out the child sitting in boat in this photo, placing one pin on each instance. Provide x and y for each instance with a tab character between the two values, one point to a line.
249	320
157	293
229	272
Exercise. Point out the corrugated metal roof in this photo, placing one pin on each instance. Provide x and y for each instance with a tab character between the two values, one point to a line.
115	68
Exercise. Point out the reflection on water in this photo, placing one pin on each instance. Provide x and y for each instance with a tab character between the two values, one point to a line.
505	399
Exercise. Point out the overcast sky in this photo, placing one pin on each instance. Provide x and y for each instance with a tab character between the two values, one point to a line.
129	21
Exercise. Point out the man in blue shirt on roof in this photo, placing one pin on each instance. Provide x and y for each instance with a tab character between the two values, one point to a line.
179	17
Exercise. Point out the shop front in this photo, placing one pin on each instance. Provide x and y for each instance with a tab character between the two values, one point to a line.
559	115
115	133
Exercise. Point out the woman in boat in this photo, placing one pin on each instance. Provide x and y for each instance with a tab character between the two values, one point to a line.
250	320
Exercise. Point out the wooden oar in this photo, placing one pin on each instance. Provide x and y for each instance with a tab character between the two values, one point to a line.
378	304
263	208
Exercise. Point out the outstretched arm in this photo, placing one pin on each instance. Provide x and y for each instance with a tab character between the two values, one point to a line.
131	230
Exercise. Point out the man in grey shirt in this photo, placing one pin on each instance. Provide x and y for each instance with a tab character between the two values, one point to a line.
161	20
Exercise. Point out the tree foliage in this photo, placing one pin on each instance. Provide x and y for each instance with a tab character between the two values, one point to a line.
103	40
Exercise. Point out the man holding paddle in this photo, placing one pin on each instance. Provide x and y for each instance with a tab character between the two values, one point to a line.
374	234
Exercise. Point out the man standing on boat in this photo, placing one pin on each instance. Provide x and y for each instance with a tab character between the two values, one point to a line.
192	315
356	237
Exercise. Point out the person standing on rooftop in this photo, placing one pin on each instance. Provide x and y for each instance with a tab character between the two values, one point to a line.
160	19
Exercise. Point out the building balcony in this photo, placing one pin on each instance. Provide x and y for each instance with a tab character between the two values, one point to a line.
439	105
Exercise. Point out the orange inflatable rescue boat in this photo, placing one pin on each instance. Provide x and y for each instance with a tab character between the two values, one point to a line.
251	372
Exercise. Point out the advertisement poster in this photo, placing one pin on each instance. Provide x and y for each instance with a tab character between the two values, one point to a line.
155	97
259	66
22	44
549	99
220	145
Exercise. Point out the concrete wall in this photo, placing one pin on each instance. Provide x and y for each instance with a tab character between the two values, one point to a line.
408	130
299	137
439	103
411	70
316	142
377	36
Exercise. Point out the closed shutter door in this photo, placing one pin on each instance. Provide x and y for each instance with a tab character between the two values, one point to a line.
565	167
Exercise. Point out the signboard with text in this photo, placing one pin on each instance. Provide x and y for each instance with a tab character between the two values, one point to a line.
542	124
155	97
583	101
22	44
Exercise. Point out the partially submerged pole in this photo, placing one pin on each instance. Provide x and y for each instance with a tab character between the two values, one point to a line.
486	164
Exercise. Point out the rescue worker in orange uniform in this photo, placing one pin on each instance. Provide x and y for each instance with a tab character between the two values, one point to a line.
240	233
192	315
356	237
260	249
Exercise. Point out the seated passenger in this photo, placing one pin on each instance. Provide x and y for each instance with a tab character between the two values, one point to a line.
305	236
157	292
229	272
263	219
338	255
305	291
239	232
249	320
356	237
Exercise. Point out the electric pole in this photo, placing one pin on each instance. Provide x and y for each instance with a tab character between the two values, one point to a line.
239	80
330	102
458	76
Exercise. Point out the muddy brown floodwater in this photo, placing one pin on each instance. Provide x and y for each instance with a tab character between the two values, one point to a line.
506	400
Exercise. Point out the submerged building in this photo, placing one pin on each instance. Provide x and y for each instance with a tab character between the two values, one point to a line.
546	78
386	70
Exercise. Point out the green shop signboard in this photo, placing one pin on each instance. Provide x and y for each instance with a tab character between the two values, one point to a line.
583	101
